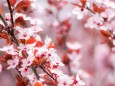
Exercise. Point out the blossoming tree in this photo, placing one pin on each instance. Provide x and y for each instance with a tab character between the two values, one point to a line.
50	42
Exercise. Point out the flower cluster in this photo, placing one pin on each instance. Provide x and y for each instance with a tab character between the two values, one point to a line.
41	45
26	52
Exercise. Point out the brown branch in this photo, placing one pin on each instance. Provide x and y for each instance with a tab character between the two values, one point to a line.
3	20
43	68
11	12
18	72
10	31
90	10
35	72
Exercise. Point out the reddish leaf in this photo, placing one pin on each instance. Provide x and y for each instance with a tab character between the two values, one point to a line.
23	41
97	9
0	10
51	45
22	4
7	57
35	51
3	36
20	83
105	33
30	41
39	44
66	60
24	53
20	21
12	2
83	2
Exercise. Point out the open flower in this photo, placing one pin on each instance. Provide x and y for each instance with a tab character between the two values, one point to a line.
79	12
94	21
27	62
13	63
53	58
24	71
9	49
64	80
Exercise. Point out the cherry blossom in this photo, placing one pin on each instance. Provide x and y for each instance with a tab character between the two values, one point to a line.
79	12
13	63
94	21
23	33
53	58
9	49
108	13
27	62
41	51
64	80
24	71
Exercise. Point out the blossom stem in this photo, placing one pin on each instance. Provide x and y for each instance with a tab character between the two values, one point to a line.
35	72
3	20
11	32
18	72
43	68
90	10
11	12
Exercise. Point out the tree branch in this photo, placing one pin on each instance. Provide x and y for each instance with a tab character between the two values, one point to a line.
3	20
35	72
43	68
11	12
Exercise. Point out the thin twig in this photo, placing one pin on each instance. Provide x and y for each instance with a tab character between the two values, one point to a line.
89	9
18	72
35	72
10	31
43	68
3	20
11	12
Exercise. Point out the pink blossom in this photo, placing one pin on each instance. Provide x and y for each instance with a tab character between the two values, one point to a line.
94	21
53	58
24	71
13	63
27	62
23	33
79	12
64	80
108	13
9	49
41	51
